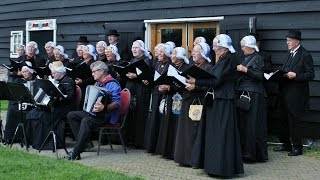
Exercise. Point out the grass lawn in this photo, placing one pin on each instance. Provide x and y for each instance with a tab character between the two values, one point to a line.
17	164
4	105
313	152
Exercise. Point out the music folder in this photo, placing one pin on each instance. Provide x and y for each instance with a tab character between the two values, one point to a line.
49	88
140	68
277	75
15	92
176	79
15	65
196	73
43	71
78	70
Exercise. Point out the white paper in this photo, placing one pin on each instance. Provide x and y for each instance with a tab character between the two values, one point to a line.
174	73
138	71
268	76
156	75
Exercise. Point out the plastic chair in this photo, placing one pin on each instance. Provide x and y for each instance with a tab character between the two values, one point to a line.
117	128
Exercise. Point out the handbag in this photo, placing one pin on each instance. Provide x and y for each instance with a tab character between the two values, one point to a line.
243	103
209	97
195	110
176	104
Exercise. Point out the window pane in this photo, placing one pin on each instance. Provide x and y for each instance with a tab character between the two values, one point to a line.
174	35
207	33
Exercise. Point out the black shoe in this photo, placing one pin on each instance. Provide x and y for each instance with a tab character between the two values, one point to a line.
295	152
282	148
71	156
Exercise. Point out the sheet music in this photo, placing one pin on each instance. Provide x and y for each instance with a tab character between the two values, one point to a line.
174	73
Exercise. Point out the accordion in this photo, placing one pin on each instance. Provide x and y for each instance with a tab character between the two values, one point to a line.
95	94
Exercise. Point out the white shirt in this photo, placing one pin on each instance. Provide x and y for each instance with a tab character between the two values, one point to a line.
294	51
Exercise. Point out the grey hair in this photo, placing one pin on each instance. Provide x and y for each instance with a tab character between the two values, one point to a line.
101	66
21	46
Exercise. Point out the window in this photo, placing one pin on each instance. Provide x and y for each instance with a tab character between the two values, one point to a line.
15	41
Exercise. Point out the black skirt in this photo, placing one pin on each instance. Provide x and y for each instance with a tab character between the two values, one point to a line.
253	130
222	141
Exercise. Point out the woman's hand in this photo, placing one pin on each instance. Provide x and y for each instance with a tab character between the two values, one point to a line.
78	81
131	75
190	87
164	88
242	68
191	80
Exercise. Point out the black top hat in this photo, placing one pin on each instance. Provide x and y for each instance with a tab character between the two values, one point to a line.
113	32
295	34
83	39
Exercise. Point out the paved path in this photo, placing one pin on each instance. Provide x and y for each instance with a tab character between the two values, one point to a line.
139	163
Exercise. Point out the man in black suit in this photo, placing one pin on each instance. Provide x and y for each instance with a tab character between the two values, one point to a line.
294	91
113	38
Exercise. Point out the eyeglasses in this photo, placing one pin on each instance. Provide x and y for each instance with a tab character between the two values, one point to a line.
93	71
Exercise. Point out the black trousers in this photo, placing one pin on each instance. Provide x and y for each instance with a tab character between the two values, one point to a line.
81	124
293	113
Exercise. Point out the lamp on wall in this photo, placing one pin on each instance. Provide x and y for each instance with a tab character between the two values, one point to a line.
252	24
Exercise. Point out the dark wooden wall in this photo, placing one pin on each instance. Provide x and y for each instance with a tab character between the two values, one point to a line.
85	17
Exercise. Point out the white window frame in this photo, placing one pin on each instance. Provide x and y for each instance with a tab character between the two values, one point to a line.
37	25
13	44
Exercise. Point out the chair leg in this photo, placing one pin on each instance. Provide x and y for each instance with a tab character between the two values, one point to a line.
99	141
109	141
123	145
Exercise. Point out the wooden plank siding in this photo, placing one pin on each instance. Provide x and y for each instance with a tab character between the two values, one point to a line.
83	17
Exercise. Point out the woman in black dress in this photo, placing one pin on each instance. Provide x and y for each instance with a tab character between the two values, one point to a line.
173	100
140	93
153	123
59	55
13	113
252	122
101	47
113	58
187	149
41	119
49	47
222	141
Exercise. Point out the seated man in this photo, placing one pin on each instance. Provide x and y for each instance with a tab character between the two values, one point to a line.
81	122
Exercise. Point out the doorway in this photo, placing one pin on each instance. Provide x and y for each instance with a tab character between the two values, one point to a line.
183	34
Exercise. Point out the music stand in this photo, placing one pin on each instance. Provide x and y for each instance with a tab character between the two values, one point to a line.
54	93
17	92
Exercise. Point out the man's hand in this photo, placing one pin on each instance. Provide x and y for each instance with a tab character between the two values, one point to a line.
98	107
290	75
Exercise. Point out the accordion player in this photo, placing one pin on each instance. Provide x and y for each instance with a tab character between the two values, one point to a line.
95	94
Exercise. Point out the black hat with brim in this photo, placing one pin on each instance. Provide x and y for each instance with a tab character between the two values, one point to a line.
113	32
294	34
83	39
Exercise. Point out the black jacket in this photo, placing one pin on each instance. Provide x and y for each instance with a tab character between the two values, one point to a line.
296	91
224	77
252	80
